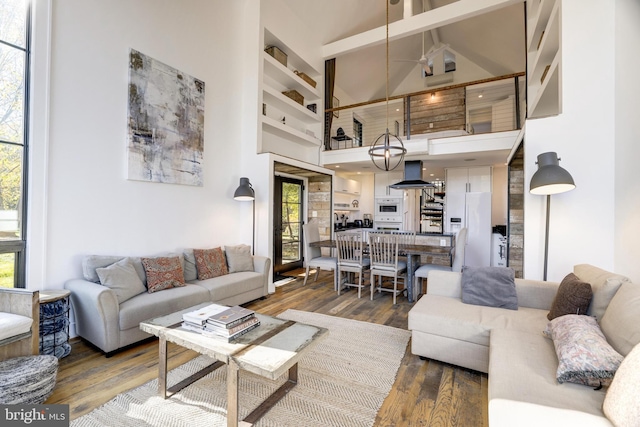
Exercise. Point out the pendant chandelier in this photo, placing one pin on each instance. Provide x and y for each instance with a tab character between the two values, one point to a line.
387	151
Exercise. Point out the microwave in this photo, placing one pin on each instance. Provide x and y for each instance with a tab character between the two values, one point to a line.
389	206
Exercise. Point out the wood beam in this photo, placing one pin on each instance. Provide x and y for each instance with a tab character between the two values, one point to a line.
436	18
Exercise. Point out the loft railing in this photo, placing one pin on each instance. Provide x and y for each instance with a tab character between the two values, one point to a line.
490	105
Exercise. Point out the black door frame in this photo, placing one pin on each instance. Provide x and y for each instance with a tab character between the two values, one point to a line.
278	267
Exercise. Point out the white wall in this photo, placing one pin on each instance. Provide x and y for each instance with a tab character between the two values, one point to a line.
627	138
92	207
582	220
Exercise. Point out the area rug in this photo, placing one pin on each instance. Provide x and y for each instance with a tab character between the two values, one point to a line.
342	381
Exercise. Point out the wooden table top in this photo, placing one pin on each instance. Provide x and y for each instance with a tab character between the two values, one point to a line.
414	249
51	295
269	350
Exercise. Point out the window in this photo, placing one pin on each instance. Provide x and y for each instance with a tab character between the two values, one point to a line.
357	131
14	96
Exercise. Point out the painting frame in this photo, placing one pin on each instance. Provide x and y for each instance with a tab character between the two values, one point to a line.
165	123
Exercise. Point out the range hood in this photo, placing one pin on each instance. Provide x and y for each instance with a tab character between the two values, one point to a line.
412	176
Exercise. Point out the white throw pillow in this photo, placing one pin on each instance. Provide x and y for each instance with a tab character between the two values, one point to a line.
121	277
621	402
13	324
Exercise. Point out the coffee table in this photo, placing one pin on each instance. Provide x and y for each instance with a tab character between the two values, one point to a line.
270	350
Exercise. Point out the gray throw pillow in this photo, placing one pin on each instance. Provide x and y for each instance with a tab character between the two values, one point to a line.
190	269
239	258
122	278
91	262
489	286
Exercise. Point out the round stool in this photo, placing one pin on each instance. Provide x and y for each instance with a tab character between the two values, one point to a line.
28	379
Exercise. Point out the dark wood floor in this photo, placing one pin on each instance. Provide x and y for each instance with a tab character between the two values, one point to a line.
426	392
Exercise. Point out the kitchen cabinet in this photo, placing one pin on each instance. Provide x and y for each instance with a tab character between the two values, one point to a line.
281	116
346	192
382	181
347	186
468	180
544	57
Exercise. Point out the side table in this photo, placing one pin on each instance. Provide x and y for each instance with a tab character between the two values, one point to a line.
54	322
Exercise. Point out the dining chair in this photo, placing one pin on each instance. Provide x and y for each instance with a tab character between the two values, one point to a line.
313	255
351	260
458	260
405	237
383	250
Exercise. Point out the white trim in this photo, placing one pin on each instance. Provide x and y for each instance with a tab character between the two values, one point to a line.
36	250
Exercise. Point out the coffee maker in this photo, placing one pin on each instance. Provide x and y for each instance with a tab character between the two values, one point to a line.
367	221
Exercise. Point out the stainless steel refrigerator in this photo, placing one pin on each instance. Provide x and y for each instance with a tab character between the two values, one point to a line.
473	211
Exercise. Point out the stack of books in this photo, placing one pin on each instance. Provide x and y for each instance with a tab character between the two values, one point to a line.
221	321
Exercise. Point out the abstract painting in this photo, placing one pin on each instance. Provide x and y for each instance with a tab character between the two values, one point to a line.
166	123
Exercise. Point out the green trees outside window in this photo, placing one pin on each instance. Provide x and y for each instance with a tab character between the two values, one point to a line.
14	77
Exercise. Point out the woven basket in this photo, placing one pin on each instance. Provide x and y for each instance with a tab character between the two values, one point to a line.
279	55
293	94
306	78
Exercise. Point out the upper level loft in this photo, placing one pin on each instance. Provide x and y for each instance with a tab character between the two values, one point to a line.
493	105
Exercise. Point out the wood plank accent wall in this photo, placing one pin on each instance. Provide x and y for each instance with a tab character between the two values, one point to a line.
515	254
444	111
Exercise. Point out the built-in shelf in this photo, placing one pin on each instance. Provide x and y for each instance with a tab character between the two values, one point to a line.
544	77
538	20
281	130
546	99
301	125
288	106
288	79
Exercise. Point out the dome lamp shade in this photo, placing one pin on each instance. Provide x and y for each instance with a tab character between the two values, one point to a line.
550	178
244	192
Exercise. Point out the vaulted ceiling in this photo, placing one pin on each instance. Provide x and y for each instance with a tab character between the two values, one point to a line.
493	41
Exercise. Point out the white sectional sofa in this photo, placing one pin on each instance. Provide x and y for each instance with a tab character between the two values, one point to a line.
510	346
110	325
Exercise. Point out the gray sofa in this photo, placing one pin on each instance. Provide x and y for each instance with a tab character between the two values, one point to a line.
509	345
110	325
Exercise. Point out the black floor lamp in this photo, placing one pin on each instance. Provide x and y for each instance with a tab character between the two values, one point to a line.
245	193
549	179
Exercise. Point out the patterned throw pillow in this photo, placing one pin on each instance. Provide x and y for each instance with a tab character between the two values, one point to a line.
573	297
163	273
210	263
584	355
